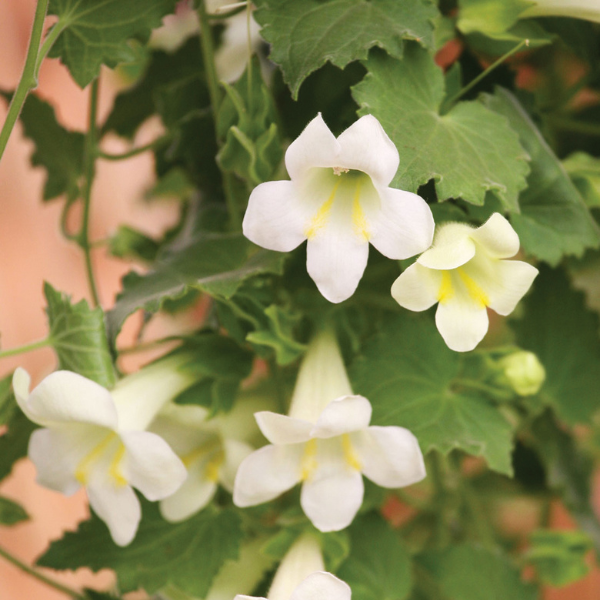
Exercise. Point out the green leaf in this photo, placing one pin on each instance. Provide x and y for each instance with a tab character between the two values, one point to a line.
98	33
408	373
559	556
78	335
557	326
246	121
471	573
278	334
491	17
569	471
63	167
379	565
188	554
11	512
215	263
221	365
8	405
304	35
14	443
554	220
131	243
584	170
454	149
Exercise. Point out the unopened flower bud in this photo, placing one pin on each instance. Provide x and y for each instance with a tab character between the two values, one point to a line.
524	371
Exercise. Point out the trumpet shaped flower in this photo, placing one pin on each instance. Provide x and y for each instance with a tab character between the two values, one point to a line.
326	443
339	200
465	272
302	576
209	456
93	438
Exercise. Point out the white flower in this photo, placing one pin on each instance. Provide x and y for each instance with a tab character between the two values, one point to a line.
301	576
96	439
326	443
465	273
339	200
578	9
208	455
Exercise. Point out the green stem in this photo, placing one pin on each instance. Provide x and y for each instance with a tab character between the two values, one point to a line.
90	171
25	348
496	393
483	527
35	573
28	78
135	151
448	104
208	57
47	44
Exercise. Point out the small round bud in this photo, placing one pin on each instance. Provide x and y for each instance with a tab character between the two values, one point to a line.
524	371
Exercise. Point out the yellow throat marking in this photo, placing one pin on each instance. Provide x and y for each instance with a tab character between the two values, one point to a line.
350	455
446	291
114	469
309	460
320	219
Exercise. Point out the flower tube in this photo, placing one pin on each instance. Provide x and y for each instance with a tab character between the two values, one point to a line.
578	9
302	576
326	443
466	272
94	438
339	200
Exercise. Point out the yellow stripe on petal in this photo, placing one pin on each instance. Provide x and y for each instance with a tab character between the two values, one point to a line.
115	466
213	468
446	290
322	216
474	291
82	470
350	455
359	220
309	460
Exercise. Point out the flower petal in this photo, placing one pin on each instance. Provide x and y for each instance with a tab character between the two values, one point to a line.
366	147
417	288
462	325
56	454
316	146
514	279
150	465
349	413
267	473
389	456
322	586
497	237
66	397
449	254
332	495
281	429
195	493
276	217
336	261
119	508
235	453
403	226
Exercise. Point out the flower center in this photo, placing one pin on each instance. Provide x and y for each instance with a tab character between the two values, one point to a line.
100	453
457	281
346	193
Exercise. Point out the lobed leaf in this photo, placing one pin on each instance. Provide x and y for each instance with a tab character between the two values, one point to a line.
469	151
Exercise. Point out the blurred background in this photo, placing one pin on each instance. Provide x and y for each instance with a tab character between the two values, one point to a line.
33	251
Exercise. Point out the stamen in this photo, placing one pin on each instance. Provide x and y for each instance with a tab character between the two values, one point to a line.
339	170
320	219
349	453
309	459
